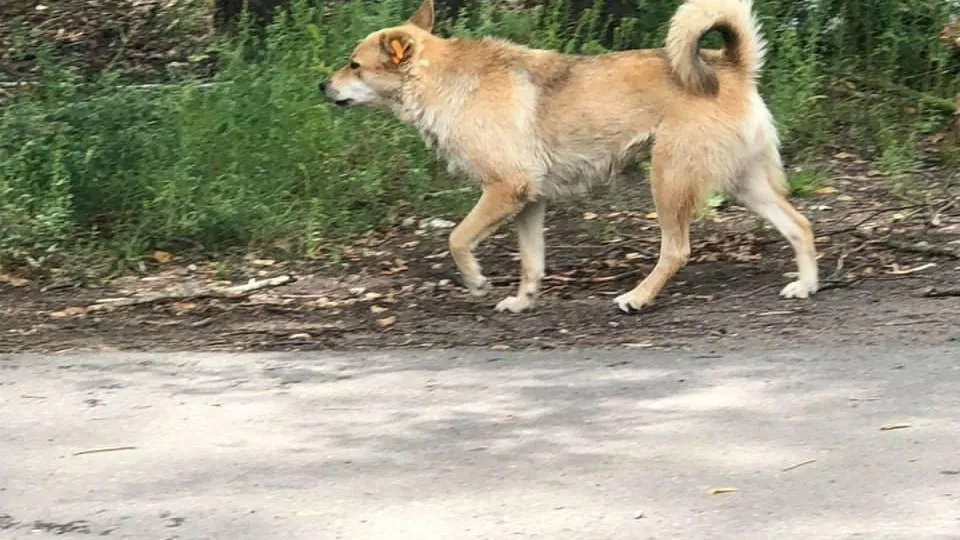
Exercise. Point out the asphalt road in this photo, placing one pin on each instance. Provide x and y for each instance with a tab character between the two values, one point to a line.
482	445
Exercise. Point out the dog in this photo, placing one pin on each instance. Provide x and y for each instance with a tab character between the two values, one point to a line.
533	125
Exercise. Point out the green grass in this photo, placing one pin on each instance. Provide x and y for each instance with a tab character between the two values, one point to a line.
806	179
257	161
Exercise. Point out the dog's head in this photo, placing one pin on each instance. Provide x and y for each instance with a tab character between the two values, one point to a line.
379	64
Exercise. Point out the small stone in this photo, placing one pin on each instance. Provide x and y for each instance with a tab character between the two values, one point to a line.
436	223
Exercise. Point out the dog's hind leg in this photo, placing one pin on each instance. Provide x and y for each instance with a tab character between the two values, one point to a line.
532	257
763	190
499	201
675	192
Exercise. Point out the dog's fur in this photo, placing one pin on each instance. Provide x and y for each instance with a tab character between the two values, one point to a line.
530	125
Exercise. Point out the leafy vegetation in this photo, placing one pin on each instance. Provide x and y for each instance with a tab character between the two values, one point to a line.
252	157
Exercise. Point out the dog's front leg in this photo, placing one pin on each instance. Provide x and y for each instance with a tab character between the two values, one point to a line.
498	202
530	242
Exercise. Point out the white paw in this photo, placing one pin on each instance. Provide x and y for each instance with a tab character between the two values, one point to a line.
479	288
798	289
515	304
628	302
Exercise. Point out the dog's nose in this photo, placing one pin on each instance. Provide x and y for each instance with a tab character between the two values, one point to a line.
323	86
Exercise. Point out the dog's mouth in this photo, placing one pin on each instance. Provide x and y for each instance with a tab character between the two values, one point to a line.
343	103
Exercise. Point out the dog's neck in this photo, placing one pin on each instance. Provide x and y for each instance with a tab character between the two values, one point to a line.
434	94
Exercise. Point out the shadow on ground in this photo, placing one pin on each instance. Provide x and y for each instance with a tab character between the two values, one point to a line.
486	445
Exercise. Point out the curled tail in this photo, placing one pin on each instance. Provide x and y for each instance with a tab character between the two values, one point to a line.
744	48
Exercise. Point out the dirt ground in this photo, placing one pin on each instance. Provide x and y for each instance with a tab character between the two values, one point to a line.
890	267
146	40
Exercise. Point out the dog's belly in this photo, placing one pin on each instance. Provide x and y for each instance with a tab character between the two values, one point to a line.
576	176
575	169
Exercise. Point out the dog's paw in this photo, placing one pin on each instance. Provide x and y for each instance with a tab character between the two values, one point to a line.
479	288
629	302
515	304
798	289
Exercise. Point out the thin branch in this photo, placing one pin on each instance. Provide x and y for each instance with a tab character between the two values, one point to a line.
231	293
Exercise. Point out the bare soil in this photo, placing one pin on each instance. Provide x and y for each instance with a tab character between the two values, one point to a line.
890	266
146	40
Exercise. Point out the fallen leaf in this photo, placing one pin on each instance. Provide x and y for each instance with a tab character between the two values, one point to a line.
948	230
890	427
436	223
13	280
826	190
182	307
632	256
844	198
386	321
500	347
263	262
721	490
589	216
162	257
377	309
72	311
651	215
843	155
324	303
302	335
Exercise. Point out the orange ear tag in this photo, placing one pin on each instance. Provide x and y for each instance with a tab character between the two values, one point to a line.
397	51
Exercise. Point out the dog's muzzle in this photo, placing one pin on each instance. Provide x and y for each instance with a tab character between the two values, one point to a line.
325	90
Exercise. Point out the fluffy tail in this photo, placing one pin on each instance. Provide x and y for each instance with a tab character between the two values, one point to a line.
744	47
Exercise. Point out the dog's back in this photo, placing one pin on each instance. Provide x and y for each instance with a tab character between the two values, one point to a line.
566	121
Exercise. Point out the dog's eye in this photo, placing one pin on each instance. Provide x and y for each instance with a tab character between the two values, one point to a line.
354	65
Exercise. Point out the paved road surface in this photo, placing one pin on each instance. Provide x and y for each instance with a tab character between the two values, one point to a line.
589	445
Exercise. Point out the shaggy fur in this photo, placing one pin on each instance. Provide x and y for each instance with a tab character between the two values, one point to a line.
532	125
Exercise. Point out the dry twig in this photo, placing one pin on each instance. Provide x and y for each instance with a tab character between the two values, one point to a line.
231	293
933	292
911	247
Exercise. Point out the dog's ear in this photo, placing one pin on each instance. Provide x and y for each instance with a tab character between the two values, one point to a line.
423	18
396	48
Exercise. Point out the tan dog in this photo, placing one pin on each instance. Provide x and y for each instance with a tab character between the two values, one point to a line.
530	125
